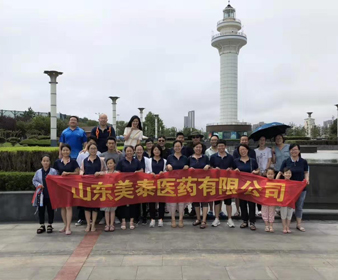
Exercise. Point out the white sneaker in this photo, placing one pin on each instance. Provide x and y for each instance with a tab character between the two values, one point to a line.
103	221
160	223
231	223
259	213
216	223
152	223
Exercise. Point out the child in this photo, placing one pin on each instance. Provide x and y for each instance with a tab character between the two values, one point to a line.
268	212
286	212
109	212
41	196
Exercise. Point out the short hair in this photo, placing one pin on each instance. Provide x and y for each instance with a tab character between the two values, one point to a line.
179	134
158	147
244	136
243	145
92	137
128	146
149	140
177	141
271	169
286	169
91	144
215	135
274	139
111	138
76	117
199	143
46	155
64	145
108	159
139	145
162	136
221	141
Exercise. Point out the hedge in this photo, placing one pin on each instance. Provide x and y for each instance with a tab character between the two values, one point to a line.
35	142
24	159
16	181
312	142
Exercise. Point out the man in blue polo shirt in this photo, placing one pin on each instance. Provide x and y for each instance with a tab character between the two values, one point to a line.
222	160
102	132
74	136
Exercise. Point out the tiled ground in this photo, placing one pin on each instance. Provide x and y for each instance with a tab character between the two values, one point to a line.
166	253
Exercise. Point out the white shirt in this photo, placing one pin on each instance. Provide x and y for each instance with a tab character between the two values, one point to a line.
135	136
263	157
149	165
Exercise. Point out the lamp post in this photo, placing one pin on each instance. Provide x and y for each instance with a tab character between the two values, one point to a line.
53	118
156	117
113	99
337	120
141	114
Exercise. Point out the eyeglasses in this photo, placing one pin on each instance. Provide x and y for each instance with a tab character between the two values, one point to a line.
161	140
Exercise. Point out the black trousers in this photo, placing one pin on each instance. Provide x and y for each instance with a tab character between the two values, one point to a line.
259	207
129	211
152	210
42	210
144	210
251	216
81	214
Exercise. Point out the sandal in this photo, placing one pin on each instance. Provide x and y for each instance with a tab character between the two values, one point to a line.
244	225
106	228
49	229
252	227
62	230
267	229
285	231
300	228
131	226
180	224
203	225
271	229
123	225
196	223
173	224
41	229
111	228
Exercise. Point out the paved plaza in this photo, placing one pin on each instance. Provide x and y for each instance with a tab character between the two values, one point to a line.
167	253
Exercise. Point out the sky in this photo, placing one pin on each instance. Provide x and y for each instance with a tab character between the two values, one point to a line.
158	55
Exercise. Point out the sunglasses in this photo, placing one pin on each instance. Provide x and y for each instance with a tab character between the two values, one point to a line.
194	137
161	140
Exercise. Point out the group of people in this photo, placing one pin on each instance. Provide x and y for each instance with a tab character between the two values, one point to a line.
98	155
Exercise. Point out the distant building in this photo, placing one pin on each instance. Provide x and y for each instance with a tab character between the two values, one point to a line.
257	125
328	123
189	121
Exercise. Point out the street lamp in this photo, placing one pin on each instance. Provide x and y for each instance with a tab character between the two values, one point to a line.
156	117
337	120
141	114
113	99
53	117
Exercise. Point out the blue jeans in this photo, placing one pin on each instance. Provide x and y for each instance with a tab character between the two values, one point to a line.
300	204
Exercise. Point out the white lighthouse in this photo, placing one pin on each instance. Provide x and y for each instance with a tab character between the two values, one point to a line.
229	41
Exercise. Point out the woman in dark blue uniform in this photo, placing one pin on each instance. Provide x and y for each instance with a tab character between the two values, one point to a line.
199	161
128	164
66	166
92	165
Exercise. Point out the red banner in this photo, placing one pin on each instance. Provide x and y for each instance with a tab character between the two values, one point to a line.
191	185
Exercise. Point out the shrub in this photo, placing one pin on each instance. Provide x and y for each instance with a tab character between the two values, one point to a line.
43	137
2	140
13	140
35	142
16	181
34	137
24	159
297	138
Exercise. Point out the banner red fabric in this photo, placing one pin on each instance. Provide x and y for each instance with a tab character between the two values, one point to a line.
191	185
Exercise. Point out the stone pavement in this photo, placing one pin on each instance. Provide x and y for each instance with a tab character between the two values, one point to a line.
166	253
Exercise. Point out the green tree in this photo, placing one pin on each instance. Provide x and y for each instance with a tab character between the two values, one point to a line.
149	125
92	123
120	126
170	132
27	115
187	131
296	130
315	131
23	127
41	124
61	126
333	129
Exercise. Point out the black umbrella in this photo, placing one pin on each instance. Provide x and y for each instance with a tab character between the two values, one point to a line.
269	130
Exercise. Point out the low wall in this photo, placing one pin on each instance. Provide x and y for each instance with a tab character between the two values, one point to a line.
321	194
